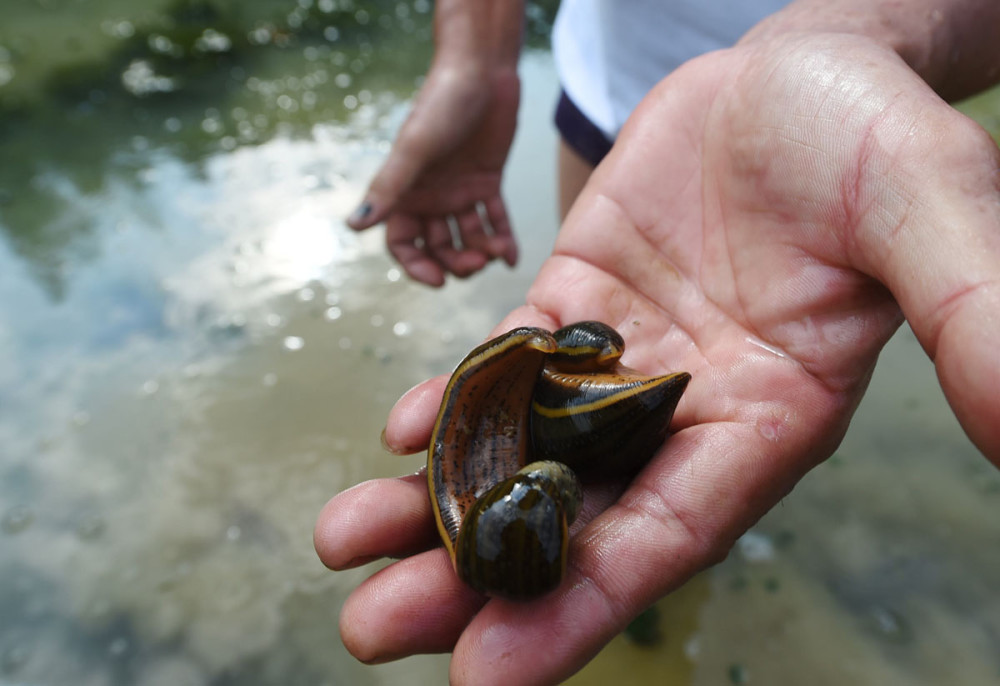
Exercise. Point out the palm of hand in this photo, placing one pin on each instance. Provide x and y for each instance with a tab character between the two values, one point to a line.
729	259
720	237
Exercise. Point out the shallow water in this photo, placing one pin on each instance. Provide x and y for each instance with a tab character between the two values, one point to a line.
197	354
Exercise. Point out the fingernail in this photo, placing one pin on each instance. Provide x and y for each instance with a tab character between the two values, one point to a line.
362	211
356	562
391	449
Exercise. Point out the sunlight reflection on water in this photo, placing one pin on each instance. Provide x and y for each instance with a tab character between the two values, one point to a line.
175	421
212	353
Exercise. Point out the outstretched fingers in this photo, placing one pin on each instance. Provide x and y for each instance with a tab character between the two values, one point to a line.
413	606
680	515
406	240
411	419
500	241
356	527
430	247
416	605
455	257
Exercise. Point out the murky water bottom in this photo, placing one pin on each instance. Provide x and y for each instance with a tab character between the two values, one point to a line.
218	363
881	567
221	361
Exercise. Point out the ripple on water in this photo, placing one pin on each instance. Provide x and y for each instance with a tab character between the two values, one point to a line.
16	519
890	624
14	658
118	647
90	527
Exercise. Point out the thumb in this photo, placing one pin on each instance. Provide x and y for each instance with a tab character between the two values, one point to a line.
396	176
446	110
420	142
935	242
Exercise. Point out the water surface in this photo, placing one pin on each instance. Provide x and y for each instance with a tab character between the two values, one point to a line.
197	353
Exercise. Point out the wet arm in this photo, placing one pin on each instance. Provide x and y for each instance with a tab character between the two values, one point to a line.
479	32
476	42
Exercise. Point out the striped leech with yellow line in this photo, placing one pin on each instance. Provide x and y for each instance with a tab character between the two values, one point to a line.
520	414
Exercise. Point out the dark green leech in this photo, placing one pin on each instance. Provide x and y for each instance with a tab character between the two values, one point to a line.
506	528
586	347
602	423
513	541
481	434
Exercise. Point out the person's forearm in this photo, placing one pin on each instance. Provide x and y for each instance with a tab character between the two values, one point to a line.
954	45
481	33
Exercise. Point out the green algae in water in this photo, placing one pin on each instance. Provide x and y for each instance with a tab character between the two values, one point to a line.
645	629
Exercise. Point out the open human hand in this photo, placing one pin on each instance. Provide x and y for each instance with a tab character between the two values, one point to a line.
444	172
766	220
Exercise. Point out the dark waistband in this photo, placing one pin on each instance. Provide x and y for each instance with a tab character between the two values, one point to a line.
579	132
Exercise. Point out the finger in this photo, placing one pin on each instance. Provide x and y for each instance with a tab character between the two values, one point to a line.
356	527
472	232
411	419
405	241
680	515
441	246
967	366
941	258
527	315
502	243
445	111
393	179
415	148
416	605
408	427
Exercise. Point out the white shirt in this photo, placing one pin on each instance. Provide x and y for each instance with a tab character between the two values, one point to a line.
610	53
